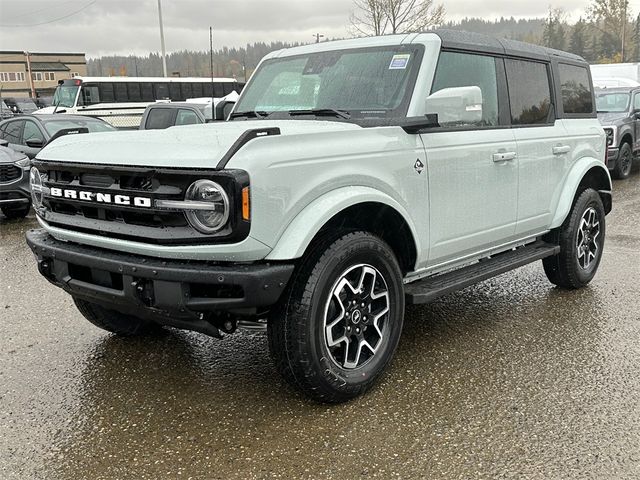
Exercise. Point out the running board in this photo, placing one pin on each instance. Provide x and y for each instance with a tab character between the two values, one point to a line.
431	288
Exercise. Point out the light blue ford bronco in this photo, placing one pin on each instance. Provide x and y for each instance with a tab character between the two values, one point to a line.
352	178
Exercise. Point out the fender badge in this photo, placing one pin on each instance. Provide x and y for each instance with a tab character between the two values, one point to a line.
418	166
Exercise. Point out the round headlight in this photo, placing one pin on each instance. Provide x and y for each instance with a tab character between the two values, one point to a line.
205	194
35	179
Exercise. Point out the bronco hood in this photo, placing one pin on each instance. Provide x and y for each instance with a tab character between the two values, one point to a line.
195	146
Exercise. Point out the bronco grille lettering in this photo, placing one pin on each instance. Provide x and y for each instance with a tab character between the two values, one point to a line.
97	197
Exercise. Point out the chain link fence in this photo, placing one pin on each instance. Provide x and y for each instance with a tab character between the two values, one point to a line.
124	121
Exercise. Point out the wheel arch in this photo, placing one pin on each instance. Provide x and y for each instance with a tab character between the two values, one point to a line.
351	208
586	173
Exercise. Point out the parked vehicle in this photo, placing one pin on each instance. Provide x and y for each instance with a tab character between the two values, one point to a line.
15	196
353	177
28	134
121	100
44	102
620	71
5	111
619	114
19	105
614	82
164	115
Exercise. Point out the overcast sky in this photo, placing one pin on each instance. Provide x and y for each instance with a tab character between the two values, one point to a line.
105	27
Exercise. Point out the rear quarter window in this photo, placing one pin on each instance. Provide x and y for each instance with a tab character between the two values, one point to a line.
576	89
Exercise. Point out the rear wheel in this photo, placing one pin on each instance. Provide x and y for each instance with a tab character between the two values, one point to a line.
581	239
340	321
16	212
624	163
114	322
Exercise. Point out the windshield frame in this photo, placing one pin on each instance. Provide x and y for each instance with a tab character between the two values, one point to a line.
604	94
357	116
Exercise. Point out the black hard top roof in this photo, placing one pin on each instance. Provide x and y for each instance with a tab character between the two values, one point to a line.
459	40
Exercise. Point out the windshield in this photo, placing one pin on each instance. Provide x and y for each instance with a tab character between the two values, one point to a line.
65	95
54	126
367	82
613	102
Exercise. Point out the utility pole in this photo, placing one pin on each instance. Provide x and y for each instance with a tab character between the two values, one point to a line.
318	36
211	67
164	53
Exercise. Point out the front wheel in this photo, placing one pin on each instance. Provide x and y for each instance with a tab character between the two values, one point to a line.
341	319
581	240
624	163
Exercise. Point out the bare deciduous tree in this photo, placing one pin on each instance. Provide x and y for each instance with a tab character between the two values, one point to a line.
378	17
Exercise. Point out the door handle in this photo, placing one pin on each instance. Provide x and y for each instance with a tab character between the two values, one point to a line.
504	156
561	150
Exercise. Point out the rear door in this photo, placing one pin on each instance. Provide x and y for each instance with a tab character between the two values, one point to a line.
472	164
544	155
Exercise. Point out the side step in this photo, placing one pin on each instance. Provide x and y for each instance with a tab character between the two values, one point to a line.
430	288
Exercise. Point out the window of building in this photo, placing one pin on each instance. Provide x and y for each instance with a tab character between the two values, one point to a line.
465	90
49	76
11	76
529	92
74	74
37	76
576	89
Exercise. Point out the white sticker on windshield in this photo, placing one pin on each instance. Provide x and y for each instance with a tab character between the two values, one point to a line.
400	61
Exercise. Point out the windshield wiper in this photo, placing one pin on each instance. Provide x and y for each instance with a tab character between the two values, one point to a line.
322	112
250	114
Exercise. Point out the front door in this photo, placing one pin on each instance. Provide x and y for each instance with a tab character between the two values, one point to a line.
472	163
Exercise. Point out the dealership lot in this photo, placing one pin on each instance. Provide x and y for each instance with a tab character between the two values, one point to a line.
508	379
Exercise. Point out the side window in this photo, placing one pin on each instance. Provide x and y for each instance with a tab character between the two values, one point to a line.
106	92
576	89
121	92
90	94
13	132
465	91
146	91
186	117
197	90
133	89
159	118
174	91
31	132
636	102
162	91
187	90
529	92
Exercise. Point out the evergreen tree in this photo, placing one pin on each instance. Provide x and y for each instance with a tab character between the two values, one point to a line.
578	42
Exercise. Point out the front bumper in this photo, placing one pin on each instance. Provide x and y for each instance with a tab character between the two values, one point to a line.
170	292
612	157
16	193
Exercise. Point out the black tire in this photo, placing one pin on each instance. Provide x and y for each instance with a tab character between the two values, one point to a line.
624	163
569	269
16	212
113	321
298	339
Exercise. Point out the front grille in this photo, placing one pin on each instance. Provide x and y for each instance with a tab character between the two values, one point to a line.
149	225
9	173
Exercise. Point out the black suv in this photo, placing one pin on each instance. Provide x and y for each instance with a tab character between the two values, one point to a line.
619	114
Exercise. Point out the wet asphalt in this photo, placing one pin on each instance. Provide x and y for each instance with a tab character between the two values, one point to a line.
511	378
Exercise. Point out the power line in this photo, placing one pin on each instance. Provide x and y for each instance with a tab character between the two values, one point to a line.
57	7
52	20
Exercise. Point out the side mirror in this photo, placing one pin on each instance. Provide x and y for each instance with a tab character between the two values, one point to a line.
35	143
223	109
459	105
3	142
